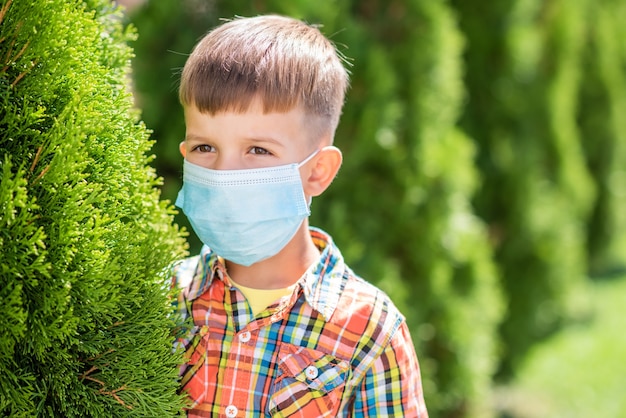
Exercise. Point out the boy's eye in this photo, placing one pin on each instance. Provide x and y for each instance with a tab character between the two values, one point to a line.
259	151
204	148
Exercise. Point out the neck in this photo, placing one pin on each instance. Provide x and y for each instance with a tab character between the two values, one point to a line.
281	270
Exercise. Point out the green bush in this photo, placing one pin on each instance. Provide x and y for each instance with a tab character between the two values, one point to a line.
538	192
601	115
85	319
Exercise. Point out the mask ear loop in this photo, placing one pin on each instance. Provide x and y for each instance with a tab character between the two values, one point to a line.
307	159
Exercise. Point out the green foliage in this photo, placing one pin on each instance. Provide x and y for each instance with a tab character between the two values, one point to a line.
85	328
449	251
538	192
603	104
548	385
400	208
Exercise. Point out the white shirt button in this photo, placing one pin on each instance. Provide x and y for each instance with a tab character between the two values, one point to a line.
231	411
311	372
244	337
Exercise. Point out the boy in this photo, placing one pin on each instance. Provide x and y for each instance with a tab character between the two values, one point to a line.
281	326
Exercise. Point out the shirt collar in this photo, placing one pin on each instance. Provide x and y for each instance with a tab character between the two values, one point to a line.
322	284
324	281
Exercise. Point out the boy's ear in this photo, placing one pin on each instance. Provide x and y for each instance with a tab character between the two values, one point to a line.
324	169
183	149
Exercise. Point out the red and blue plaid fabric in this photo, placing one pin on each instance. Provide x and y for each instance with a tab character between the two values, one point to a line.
337	347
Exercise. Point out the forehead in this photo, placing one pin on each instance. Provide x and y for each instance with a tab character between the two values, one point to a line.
286	128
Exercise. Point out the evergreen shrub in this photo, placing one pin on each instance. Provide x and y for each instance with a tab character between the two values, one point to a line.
85	319
523	90
601	116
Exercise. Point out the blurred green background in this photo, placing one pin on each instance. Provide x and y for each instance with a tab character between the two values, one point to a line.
483	185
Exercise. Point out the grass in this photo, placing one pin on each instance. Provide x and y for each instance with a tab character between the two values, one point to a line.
580	372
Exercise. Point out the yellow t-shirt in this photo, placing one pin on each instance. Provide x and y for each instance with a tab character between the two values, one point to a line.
259	299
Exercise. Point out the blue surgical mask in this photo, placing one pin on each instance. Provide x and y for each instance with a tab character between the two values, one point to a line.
245	216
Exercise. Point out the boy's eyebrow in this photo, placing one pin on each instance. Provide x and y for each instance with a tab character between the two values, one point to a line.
192	137
270	140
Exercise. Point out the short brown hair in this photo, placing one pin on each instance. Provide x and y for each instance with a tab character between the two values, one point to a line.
283	61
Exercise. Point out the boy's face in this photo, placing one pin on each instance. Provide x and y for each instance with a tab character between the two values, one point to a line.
251	139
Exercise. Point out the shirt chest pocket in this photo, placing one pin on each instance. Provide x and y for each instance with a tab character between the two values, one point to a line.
309	383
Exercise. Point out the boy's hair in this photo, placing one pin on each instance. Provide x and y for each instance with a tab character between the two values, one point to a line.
283	61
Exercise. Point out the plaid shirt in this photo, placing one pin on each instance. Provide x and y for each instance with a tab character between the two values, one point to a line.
336	347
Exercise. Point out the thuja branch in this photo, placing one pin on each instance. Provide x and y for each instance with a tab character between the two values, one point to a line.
114	394
102	390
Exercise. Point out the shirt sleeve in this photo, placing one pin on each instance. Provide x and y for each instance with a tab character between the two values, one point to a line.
392	387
